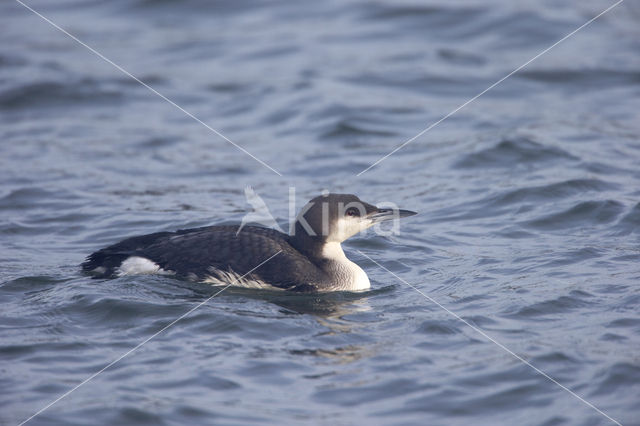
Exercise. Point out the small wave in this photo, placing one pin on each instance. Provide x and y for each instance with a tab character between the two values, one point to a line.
433	18
23	198
630	222
559	305
502	203
367	392
349	129
633	323
445	84
459	57
516	28
619	376
513	152
7	60
579	79
554	358
228	87
195	6
569	257
508	390
552	191
30	197
586	213
158	142
52	93
93	310
135	415
431	327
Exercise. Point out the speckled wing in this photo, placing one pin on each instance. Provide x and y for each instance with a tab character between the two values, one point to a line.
199	253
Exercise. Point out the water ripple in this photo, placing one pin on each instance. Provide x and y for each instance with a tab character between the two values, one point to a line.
528	201
587	213
514	153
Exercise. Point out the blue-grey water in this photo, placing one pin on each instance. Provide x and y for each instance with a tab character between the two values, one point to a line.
529	201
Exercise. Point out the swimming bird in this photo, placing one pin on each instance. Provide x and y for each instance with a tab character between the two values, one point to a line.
309	259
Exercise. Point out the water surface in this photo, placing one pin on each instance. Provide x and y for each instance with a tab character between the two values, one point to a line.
529	202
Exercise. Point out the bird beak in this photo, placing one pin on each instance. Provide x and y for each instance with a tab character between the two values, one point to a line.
381	215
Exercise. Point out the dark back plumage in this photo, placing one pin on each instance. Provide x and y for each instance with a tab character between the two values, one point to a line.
195	254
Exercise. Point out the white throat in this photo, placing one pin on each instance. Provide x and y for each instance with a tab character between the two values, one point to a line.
347	275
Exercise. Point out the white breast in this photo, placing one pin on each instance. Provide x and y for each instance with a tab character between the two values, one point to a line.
347	275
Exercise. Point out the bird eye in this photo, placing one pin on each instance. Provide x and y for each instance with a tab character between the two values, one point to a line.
352	211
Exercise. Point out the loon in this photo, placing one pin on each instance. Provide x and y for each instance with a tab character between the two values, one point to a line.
310	259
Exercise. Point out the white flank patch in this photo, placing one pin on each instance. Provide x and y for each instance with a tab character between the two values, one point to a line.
236	280
136	265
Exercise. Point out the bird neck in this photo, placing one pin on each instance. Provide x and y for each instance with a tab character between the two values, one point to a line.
345	274
332	251
330	258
